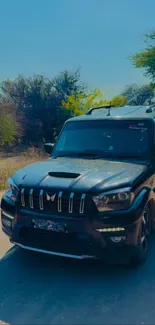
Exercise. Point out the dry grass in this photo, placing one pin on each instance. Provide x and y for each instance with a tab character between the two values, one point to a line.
10	165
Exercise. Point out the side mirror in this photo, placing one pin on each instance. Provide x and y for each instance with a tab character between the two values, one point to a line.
49	147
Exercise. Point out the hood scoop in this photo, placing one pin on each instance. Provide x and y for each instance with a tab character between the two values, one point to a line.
63	175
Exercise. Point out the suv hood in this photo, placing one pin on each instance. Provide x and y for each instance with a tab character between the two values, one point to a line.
79	174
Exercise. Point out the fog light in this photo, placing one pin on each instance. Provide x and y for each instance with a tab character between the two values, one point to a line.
7	223
117	239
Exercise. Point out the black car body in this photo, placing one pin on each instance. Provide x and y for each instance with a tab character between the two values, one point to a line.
94	197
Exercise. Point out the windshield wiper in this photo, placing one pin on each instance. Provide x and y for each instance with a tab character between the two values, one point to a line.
81	154
121	156
94	155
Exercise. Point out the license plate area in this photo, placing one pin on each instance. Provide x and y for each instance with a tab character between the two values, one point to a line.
50	225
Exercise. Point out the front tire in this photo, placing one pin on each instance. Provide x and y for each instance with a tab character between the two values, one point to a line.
142	249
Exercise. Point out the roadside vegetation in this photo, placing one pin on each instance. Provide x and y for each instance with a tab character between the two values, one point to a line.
33	109
9	165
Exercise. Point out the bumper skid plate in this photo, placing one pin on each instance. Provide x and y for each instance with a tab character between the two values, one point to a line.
80	257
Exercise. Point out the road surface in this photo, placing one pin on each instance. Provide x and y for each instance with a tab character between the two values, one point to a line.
40	289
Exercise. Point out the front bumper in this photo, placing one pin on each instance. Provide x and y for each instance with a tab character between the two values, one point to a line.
83	239
75	245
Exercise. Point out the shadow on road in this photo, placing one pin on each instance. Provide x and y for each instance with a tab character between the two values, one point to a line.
40	289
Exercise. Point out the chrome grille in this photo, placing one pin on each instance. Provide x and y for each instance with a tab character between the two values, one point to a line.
53	201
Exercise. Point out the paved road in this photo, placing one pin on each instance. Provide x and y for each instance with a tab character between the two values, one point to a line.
39	289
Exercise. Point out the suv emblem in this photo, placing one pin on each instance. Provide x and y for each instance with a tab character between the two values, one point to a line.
50	198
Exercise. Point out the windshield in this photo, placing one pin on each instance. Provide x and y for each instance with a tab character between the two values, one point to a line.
104	139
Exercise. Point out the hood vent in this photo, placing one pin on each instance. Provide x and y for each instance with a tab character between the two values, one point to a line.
63	175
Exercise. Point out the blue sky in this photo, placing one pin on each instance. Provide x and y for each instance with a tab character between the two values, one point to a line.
48	36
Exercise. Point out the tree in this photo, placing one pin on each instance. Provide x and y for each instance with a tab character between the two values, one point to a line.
146	59
8	125
78	103
67	82
138	95
118	101
38	101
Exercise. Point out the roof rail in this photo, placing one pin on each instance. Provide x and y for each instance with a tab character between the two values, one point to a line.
108	106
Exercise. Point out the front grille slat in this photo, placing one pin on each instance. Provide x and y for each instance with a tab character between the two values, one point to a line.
60	201
31	199
54	202
23	197
70	206
82	202
41	201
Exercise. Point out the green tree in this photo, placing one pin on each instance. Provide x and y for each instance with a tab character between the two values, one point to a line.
78	103
8	125
118	101
146	59
138	95
38	101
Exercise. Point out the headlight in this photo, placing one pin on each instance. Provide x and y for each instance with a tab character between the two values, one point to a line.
12	190
114	200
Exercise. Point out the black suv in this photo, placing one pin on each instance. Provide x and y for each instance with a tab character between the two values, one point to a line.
94	197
